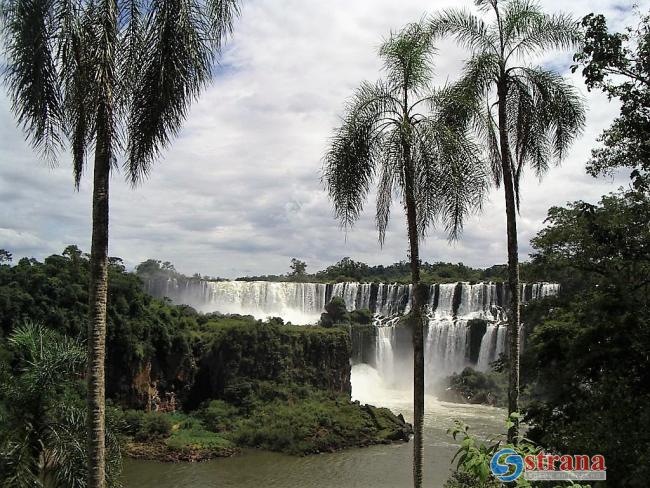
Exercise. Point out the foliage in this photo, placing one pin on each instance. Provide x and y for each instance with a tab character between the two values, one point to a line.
42	429
302	420
392	132
348	269
284	417
474	456
587	355
477	387
298	268
608	243
150	341
336	314
544	113
217	415
154	426
72	73
526	116
619	65
237	355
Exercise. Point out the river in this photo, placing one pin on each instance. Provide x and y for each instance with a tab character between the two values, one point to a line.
384	466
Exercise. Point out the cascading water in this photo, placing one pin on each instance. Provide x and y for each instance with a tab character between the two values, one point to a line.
466	322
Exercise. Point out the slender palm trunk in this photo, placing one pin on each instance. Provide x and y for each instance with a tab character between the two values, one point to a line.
513	260
98	298
416	321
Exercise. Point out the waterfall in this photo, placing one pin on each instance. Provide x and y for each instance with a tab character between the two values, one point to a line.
488	347
384	360
445	347
453	309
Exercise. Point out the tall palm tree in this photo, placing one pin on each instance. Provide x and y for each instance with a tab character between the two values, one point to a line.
392	132
538	113
116	76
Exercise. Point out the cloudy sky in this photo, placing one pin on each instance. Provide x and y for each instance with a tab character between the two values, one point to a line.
239	192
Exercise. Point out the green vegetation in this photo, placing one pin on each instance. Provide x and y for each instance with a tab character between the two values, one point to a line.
337	314
292	418
471	386
474	456
395	133
348	269
116	79
617	63
42	419
587	356
241	382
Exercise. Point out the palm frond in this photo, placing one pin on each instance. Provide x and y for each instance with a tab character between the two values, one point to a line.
44	355
468	29
407	57
389	171
451	177
221	15
529	31
547	115
65	457
350	162
179	47
78	80
31	76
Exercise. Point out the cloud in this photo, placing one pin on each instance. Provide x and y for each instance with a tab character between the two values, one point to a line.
239	191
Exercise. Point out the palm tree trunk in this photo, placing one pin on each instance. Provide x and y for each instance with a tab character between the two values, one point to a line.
98	298
513	262
417	315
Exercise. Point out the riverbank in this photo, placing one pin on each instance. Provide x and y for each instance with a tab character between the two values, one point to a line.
291	419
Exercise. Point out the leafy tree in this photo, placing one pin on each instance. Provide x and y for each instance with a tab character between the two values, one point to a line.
298	268
392	131
538	113
588	351
43	431
5	256
335	313
88	73
619	65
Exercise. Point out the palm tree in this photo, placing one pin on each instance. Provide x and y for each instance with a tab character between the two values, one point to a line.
538	113
392	132
41	438
117	77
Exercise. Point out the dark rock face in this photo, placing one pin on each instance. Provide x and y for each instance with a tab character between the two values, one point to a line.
477	328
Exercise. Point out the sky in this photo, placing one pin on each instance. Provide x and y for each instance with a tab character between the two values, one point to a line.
239	191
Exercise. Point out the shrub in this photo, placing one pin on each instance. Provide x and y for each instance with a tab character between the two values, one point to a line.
217	415
154	426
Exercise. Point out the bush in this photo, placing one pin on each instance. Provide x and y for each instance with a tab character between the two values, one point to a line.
362	316
132	421
154	426
217	415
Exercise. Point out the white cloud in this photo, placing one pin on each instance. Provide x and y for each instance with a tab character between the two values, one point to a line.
239	191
